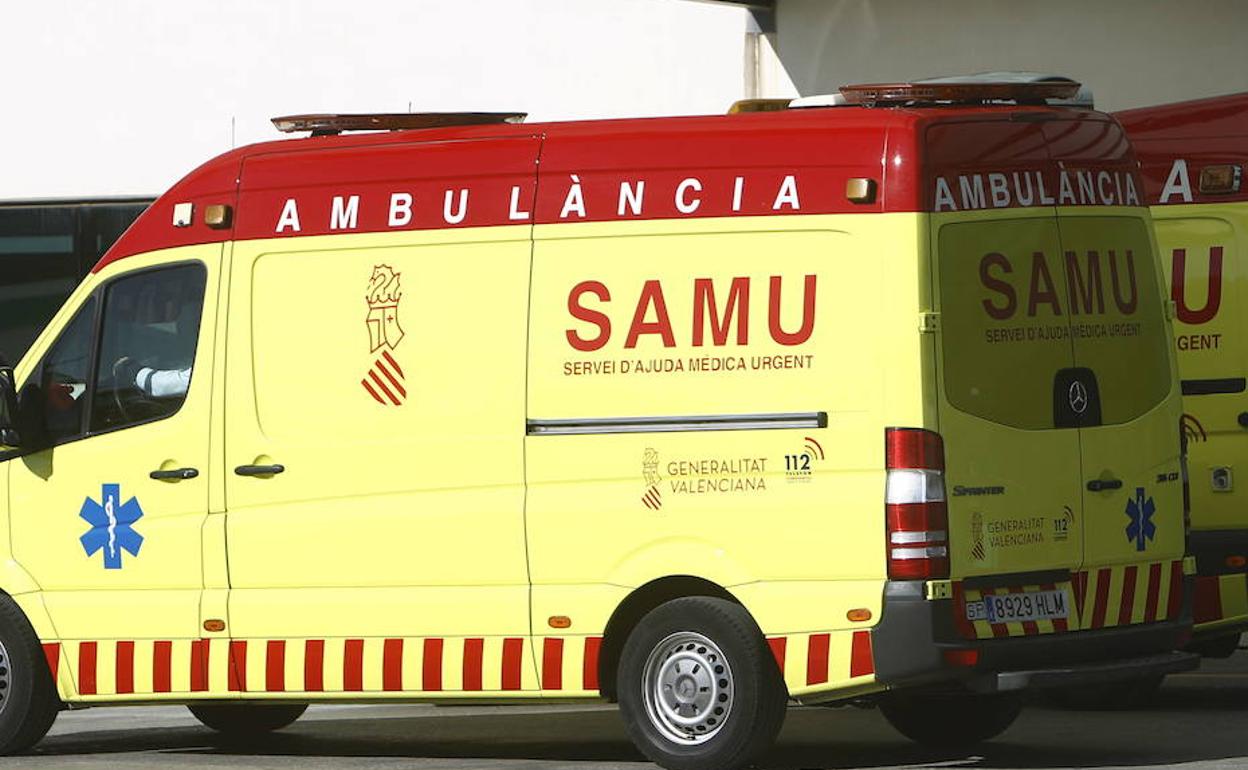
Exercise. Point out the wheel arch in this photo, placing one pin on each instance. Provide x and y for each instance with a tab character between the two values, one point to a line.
635	606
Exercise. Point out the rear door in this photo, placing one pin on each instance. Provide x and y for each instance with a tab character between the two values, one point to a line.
1122	394
1013	478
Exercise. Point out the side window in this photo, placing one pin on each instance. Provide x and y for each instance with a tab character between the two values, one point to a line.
150	329
65	375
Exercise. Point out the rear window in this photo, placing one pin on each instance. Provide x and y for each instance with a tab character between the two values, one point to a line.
1022	299
1117	316
1004	333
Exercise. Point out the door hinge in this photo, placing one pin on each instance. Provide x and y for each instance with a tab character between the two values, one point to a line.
929	323
1172	310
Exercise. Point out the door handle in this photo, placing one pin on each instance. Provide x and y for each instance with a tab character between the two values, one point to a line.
174	474
1243	419
259	470
1097	485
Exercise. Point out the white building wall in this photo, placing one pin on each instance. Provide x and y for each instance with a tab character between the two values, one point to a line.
1131	53
124	97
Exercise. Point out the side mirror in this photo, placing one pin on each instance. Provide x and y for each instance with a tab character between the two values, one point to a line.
9	435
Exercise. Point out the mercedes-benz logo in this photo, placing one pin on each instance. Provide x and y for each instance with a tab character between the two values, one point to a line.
1078	397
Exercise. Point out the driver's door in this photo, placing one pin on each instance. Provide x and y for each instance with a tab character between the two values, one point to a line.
108	520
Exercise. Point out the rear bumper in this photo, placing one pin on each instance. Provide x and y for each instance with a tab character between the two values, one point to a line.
1083	674
917	643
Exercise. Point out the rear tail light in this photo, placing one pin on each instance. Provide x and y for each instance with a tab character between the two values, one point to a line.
914	500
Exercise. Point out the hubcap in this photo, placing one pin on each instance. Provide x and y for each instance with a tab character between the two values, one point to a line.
688	688
6	678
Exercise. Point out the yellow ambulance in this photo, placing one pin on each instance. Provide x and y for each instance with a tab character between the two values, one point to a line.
1192	157
872	400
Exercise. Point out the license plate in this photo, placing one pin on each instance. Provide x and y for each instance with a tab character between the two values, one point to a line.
1017	608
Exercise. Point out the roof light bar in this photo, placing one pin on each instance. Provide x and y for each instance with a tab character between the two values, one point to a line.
327	124
906	93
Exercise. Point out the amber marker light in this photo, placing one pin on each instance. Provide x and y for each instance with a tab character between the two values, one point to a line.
860	190
1221	179
1236	562
859	615
213	625
217	216
560	621
758	105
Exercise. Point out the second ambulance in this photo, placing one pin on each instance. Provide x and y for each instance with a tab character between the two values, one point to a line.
1193	155
872	401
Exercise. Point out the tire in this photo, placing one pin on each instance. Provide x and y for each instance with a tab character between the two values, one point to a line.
1113	696
28	699
950	720
247	719
731	700
1217	647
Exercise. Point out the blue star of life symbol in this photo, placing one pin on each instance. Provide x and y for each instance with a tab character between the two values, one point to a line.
1140	511
112	529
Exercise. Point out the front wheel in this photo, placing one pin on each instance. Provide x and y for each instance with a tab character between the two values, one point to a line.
950	720
247	719
698	687
28	699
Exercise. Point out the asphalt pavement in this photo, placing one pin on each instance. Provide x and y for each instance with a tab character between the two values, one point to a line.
1198	721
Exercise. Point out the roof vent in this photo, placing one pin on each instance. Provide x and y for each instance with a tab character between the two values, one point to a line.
330	124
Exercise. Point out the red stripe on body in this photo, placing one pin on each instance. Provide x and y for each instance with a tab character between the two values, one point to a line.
861	662
314	665
52	654
474	655
275	666
1129	576
552	664
392	665
238	665
1102	597
1079	587
589	672
512	650
162	666
200	650
125	668
1152	605
964	625
1175	604
431	666
353	665
86	668
1208	604
817	658
778	645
